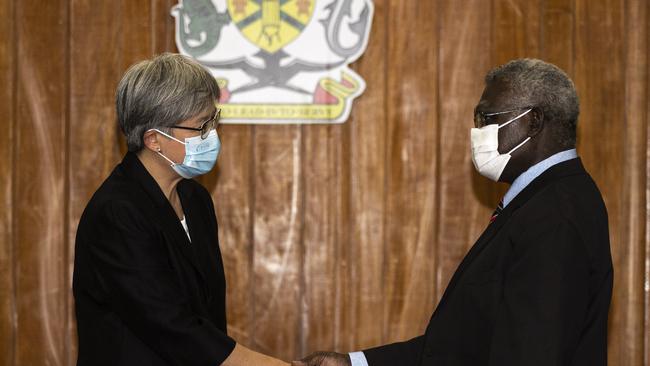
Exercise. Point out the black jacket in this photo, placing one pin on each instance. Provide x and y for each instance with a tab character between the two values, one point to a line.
144	294
534	290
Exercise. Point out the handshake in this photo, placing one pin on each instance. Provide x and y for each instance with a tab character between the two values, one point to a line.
324	359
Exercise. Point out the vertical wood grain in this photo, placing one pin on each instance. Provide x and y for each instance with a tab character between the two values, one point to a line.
162	27
558	33
516	30
646	332
7	96
277	231
361	256
321	235
633	182
412	95
138	35
230	184
465	198
40	252
600	79
646	187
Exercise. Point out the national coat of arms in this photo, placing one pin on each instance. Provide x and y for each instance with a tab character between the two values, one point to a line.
278	61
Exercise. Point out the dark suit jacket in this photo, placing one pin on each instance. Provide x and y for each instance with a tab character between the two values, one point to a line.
534	290
144	294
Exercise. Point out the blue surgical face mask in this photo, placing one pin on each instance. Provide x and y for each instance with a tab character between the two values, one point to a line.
200	154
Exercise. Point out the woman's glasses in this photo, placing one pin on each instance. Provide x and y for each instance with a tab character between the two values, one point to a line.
206	126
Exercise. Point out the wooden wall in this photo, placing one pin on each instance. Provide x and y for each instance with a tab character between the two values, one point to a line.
334	237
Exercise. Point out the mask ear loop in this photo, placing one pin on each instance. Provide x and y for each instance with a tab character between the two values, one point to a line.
171	137
512	120
166	158
518	146
516	118
166	135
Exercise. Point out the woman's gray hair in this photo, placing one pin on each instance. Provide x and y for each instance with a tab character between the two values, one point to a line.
539	84
160	93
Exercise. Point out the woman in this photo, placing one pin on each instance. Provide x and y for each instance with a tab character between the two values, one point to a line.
149	283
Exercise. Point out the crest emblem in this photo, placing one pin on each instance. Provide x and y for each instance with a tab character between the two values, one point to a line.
278	61
271	25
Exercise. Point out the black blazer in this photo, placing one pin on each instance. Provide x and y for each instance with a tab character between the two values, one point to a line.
144	294
534	290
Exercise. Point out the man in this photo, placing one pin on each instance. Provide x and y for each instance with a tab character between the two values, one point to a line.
536	286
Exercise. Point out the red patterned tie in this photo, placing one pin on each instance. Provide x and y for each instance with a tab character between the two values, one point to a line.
496	212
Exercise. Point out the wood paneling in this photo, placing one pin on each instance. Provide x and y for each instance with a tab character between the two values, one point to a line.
8	98
333	237
516	29
558	33
631	245
412	136
278	206
41	186
232	191
162	26
601	138
321	235
361	226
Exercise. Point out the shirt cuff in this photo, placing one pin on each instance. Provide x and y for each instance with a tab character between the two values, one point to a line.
358	359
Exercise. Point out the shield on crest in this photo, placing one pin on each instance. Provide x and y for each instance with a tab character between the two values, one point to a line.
271	24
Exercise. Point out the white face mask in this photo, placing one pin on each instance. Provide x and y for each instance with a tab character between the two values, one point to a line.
485	149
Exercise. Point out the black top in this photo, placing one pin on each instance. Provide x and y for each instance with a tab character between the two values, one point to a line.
144	294
534	289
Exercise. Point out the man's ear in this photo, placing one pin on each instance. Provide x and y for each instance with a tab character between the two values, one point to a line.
150	139
536	121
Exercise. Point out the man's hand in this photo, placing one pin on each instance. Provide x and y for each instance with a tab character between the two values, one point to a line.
324	359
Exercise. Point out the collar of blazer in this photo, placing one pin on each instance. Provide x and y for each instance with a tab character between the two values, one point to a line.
164	213
558	171
561	170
